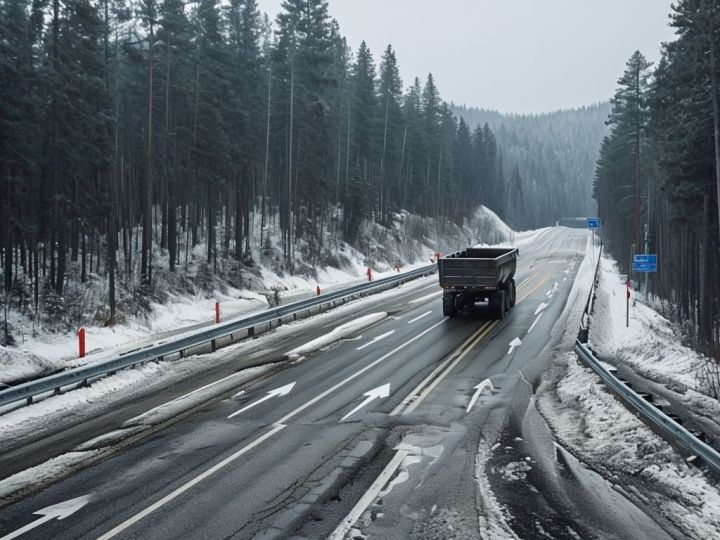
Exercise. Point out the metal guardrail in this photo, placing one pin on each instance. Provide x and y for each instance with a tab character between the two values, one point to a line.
584	333
54	383
651	415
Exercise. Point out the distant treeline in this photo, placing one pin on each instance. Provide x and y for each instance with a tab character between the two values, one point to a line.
554	155
659	169
153	126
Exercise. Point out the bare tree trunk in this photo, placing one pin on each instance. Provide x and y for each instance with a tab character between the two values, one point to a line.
146	261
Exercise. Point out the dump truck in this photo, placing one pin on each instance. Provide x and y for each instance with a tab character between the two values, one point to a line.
478	274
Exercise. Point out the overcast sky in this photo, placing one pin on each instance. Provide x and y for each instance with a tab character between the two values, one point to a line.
524	56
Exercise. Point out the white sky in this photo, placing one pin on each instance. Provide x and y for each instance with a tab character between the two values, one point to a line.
524	56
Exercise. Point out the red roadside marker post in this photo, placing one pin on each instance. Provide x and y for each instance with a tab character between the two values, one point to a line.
81	342
627	304
317	290
369	273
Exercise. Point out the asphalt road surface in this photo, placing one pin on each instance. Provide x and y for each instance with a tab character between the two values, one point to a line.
395	432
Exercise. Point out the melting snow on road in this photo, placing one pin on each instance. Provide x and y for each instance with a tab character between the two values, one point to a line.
337	334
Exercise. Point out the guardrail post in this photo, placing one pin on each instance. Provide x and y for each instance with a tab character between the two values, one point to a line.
81	342
251	332
29	400
213	346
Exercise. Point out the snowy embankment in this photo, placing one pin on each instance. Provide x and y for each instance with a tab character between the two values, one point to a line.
594	426
410	241
651	345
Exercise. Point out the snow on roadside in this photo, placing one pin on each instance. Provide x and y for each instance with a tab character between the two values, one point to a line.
337	334
587	419
593	425
17	365
651	346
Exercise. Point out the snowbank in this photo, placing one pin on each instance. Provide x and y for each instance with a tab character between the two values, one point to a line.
337	334
589	420
651	345
16	365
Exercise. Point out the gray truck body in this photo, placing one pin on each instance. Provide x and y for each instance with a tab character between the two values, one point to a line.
478	274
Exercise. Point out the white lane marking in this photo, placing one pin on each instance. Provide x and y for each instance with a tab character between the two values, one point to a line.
514	344
369	496
420	317
415	404
541	307
424	298
57	511
282	391
182	489
376	339
432	375
379	392
355	375
478	390
535	322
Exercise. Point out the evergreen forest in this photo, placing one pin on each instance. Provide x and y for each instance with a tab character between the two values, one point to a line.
657	182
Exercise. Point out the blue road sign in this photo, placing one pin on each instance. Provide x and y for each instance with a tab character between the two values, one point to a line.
594	223
644	263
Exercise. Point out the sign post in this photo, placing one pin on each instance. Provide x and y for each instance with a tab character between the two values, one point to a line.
594	224
646	263
642	264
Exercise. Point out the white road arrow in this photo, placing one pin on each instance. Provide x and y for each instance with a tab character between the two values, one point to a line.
380	392
514	344
56	511
282	391
478	390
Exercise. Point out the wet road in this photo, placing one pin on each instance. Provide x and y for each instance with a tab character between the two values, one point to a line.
420	426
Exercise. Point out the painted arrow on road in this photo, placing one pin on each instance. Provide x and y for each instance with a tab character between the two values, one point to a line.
478	390
57	511
380	392
514	344
282	391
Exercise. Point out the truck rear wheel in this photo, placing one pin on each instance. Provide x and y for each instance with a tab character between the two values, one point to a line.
449	304
497	305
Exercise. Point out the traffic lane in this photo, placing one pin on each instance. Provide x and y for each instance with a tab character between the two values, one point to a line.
66	433
163	457
400	351
167	457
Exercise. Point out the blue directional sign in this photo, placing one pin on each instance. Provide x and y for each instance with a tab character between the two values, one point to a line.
644	263
594	223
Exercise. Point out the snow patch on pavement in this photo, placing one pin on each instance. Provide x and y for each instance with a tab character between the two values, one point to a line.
337	334
172	408
46	472
494	517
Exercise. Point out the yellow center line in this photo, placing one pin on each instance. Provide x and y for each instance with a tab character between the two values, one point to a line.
536	287
423	390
